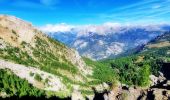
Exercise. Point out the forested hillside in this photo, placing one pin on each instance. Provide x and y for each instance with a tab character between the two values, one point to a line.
136	68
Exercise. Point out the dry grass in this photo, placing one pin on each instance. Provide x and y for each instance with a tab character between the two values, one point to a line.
140	59
8	36
159	45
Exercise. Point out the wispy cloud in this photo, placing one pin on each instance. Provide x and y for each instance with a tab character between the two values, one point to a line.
57	27
145	10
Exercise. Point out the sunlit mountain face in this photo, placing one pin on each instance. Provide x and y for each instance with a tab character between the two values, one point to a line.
107	41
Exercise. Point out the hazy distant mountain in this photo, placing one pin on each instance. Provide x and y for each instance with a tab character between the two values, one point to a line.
100	42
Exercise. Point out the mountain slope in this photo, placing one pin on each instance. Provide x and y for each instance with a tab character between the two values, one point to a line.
47	63
154	54
161	41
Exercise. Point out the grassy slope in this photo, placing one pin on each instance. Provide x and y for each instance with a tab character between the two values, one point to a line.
49	55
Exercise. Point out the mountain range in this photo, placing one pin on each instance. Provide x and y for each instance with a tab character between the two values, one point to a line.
106	41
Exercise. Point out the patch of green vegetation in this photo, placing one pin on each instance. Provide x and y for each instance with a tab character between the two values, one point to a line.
56	42
46	80
31	74
17	55
129	72
37	77
94	82
61	94
87	92
14	32
23	43
101	72
14	86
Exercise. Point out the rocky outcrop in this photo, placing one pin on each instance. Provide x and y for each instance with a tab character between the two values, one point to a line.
76	59
156	80
76	94
159	90
24	30
161	94
121	94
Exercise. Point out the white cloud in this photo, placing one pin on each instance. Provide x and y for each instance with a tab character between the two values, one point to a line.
110	24
153	28
82	30
57	28
103	29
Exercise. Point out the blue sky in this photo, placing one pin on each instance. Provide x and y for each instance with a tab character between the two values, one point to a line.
80	12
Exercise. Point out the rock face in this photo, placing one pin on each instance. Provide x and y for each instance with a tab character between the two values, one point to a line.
138	94
24	29
161	94
156	80
121	94
76	59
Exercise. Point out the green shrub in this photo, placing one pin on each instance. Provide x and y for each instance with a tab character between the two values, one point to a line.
14	32
46	80
31	74
37	77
